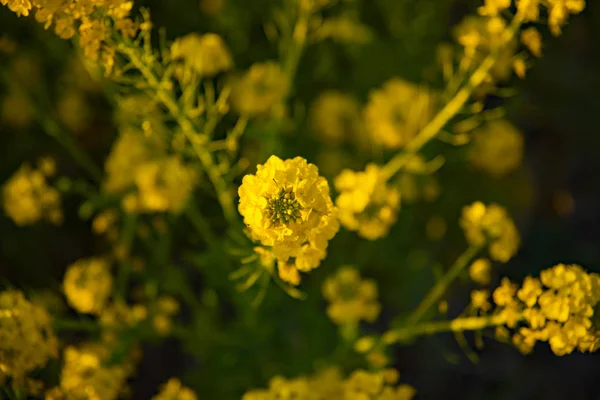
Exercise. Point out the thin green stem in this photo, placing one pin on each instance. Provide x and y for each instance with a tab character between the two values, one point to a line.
453	107
431	328
188	128
439	289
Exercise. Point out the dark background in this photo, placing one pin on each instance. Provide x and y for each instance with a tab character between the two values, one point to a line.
557	108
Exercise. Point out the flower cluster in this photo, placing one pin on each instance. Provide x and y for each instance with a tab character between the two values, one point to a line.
162	183
174	390
88	284
397	112
86	375
260	89
86	18
498	148
480	271
286	206
367	204
330	385
28	198
351	299
27	341
492	226
335	117
206	55
558	11
479	36
559	308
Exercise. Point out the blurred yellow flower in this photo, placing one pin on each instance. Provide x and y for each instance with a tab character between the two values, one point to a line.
497	148
493	226
28	198
286	205
366	203
174	390
397	112
261	88
27	341
532	39
88	284
480	271
86	375
206	54
351	299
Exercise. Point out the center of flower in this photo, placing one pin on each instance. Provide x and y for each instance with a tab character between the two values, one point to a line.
283	207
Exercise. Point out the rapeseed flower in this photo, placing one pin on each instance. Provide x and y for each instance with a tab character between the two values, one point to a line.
286	206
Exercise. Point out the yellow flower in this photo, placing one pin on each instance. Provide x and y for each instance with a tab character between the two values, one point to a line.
206	54
529	9
504	294
498	148
260	89
560	308
20	7
88	285
397	112
494	7
479	300
530	291
366	203
351	299
480	271
174	390
86	374
329	384
491	224
286	205
28	198
532	39
558	13
26	338
335	117
481	35
164	185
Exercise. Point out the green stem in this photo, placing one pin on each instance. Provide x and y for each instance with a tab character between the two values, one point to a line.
189	130
431	328
439	289
453	107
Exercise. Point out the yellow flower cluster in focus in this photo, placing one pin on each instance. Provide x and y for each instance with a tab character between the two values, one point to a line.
88	284
560	308
329	384
86	375
287	206
174	390
366	203
397	112
498	148
28	198
492	226
27	341
351	299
